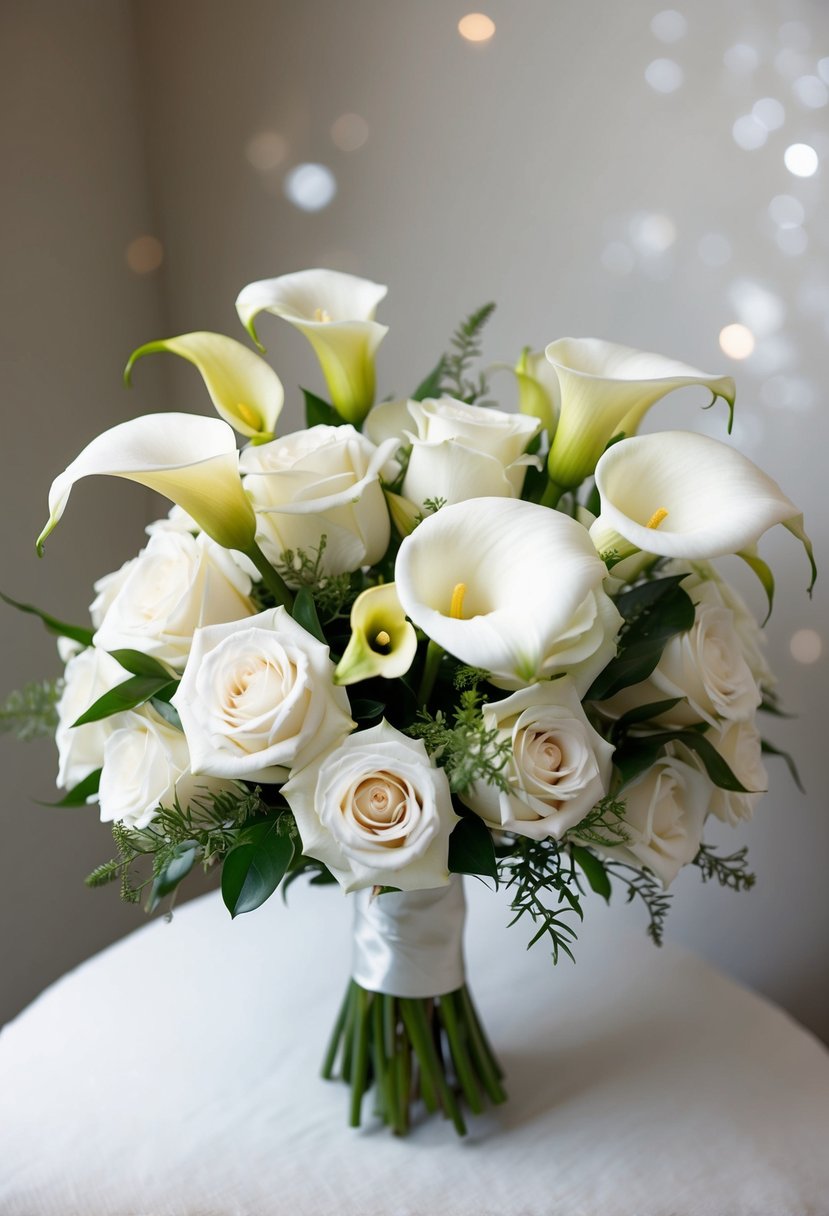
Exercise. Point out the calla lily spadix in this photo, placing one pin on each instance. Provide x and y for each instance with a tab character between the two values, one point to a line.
607	389
335	311
245	390
510	587
383	642
680	494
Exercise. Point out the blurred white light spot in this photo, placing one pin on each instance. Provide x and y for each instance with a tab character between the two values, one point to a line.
795	34
476	27
349	132
749	133
144	254
786	211
801	160
788	392
652	233
792	241
760	310
669	26
741	58
770	112
266	150
714	249
617	258
736	341
790	63
664	75
310	187
811	92
823	68
806	646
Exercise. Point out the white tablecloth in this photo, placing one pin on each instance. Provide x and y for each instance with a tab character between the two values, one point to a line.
176	1074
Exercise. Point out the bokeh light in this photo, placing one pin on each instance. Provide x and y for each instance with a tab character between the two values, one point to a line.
811	92
669	25
786	211
749	133
792	241
760	310
664	75
736	341
144	254
311	187
266	150
476	27
349	132
801	160
652	233
741	58
769	112
806	646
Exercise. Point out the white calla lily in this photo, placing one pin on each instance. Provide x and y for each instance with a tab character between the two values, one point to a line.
538	390
335	311
245	390
679	494
383	643
191	460
606	389
510	587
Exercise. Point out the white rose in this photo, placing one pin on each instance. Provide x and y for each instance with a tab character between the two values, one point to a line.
324	481
465	451
175	585
146	765
559	766
88	675
257	699
740	746
376	811
511	587
665	811
706	667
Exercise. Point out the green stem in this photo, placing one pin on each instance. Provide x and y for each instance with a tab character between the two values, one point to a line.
434	654
359	1076
460	1056
336	1037
480	1036
273	581
485	1062
552	494
414	1016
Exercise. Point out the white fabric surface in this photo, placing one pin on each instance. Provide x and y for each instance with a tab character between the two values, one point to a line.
176	1074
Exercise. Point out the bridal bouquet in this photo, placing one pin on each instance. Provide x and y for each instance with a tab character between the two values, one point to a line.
417	640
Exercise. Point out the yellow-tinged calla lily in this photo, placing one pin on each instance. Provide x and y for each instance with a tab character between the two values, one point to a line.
383	642
679	494
335	311
538	390
607	389
245	390
191	460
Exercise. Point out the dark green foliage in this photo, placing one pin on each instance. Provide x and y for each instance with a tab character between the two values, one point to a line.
729	871
255	867
31	711
333	595
471	850
653	612
76	633
319	412
464	746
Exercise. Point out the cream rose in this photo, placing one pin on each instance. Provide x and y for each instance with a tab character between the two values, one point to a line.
740	746
465	451
257	699
321	482
665	810
146	765
88	675
376	811
705	667
175	585
559	766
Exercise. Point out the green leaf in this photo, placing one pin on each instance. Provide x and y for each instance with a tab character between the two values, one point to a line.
635	758
594	870
139	664
167	711
132	692
471	850
304	613
78	795
769	705
764	574
769	750
431	386
175	869
252	871
363	709
76	632
654	612
645	713
319	412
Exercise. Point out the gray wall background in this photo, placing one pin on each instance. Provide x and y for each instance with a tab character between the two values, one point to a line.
540	170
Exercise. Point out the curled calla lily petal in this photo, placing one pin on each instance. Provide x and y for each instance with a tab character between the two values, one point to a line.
679	494
511	587
607	389
191	460
335	311
383	642
245	390
538	390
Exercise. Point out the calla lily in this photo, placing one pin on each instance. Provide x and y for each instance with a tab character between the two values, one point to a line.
383	642
538	391
245	390
679	494
191	460
335	311
511	587
607	389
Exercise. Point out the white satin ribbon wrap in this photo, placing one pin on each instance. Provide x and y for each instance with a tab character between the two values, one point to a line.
410	943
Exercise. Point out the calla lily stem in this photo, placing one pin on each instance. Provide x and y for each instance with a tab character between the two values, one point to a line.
551	496
434	654
273	581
